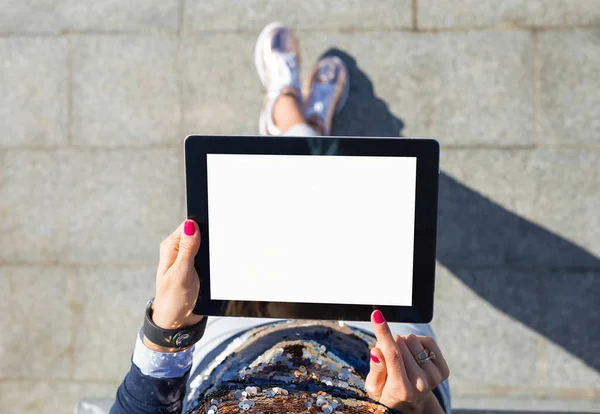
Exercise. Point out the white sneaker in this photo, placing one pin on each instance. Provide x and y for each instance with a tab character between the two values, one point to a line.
277	60
327	90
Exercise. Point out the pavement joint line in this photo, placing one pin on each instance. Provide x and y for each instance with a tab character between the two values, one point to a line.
341	29
527	404
542	361
399	29
486	147
536	89
521	147
570	147
500	28
415	14
549	268
28	35
70	51
93	148
62	380
178	146
181	67
182	196
158	33
181	17
71	294
79	265
474	390
455	267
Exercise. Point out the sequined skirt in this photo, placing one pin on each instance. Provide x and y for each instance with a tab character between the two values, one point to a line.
288	367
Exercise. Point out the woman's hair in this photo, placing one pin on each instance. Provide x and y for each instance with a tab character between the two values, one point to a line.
269	310
252	309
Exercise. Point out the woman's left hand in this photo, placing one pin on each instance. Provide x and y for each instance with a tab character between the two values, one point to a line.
395	379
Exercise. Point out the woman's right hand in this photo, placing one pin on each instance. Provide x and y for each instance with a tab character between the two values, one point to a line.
177	283
395	379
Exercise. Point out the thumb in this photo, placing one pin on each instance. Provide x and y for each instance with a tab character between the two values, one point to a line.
377	375
189	242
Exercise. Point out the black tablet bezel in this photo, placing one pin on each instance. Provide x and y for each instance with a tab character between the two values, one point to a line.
426	152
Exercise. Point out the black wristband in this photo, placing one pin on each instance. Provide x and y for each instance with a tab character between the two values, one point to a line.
172	338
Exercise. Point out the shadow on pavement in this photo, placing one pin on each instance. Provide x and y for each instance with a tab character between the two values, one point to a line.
533	275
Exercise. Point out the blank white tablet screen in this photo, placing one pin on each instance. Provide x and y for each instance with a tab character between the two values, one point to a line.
313	229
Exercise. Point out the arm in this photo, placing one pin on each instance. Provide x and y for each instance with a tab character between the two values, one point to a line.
156	382
431	405
143	394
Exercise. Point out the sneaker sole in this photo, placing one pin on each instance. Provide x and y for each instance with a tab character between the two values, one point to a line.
262	123
258	63
258	50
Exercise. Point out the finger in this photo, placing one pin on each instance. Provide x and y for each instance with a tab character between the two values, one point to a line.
439	360
377	375
433	373
414	372
168	250
189	243
393	358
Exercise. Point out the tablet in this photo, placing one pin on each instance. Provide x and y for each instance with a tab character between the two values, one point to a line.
314	228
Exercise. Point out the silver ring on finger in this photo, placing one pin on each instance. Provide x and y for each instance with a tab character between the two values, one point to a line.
424	356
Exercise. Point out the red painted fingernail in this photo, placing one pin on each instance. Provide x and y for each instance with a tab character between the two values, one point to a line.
378	317
189	228
374	359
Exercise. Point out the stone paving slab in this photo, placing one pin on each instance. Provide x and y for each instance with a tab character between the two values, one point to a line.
33	86
49	397
565	370
473	334
504	310
87	206
126	91
472	88
483	13
526	208
109	304
36	323
222	93
57	16
307	14
573	354
570	87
